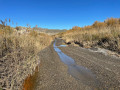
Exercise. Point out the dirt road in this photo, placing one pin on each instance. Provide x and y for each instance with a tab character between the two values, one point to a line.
56	75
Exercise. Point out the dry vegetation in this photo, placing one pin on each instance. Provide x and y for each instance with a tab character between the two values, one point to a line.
104	34
18	52
18	55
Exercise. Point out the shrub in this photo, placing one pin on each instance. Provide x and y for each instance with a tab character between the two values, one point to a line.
112	21
33	33
76	28
99	24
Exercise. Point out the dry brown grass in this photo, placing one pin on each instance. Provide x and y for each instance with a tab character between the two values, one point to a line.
108	30
18	56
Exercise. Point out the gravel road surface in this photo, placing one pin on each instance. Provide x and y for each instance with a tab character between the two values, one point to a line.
54	74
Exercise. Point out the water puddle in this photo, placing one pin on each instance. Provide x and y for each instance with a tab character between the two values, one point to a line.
63	45
78	72
29	83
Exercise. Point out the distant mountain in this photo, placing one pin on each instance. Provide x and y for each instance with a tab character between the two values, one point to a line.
40	30
48	31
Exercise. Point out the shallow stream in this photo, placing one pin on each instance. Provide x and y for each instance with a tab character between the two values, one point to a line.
78	72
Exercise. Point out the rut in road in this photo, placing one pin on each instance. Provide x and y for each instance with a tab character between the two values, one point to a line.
79	72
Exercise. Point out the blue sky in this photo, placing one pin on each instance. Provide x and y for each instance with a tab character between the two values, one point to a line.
58	14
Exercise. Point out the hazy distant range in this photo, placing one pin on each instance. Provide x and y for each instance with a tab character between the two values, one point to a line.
48	31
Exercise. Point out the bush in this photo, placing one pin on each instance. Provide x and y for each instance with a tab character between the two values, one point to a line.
112	21
33	33
99	24
18	28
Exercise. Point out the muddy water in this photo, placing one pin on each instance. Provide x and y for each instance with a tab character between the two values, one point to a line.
29	83
80	73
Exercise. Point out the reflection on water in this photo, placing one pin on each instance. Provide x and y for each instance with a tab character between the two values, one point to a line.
83	74
63	45
79	72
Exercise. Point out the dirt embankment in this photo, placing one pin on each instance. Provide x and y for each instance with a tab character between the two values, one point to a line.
105	43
